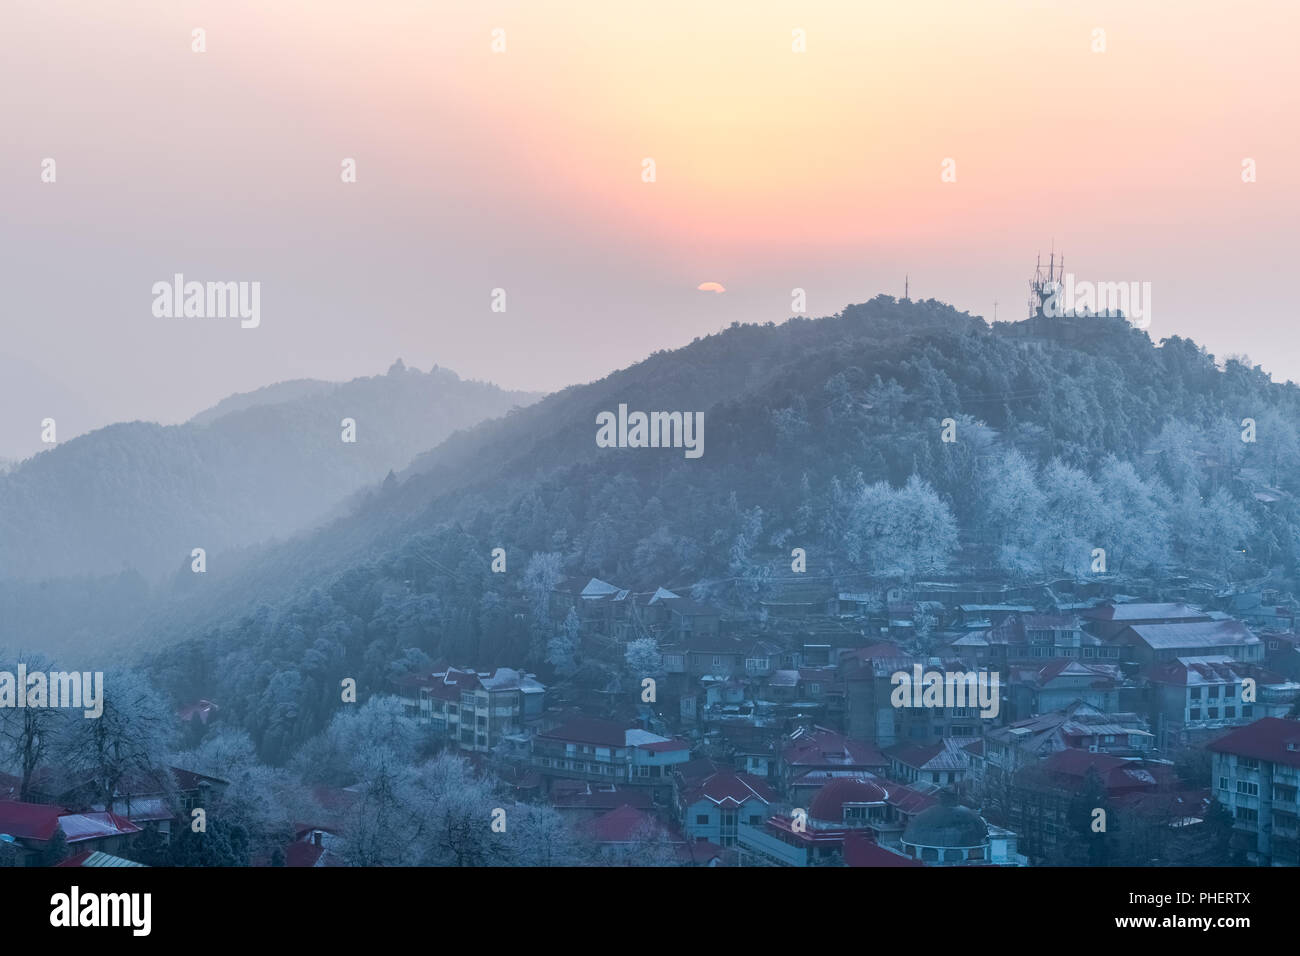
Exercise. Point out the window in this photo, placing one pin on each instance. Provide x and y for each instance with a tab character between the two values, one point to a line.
755	819
1214	691
1194	693
1212	713
1194	713
717	660
702	819
1248	788
1230	712
1223	783
1248	710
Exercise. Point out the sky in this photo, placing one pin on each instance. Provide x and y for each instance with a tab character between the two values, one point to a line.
523	170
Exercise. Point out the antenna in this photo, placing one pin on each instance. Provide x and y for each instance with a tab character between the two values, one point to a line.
905	286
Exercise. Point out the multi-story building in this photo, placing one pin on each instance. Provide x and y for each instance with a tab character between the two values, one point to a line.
605	751
1160	643
1256	776
1041	688
471	710
1191	696
711	808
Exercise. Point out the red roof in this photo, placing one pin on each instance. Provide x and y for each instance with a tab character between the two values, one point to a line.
589	730
664	746
29	821
77	858
624	825
1274	739
698	851
831	799
907	800
728	789
1117	775
821	747
861	850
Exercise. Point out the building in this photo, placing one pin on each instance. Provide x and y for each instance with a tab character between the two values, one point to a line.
948	834
1108	620
1191	694
1080	726
473	710
30	827
1042	688
941	764
1158	643
606	752
1028	638
820	748
711	808
1256	774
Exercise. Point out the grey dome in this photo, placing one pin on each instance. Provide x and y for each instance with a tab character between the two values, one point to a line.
947	826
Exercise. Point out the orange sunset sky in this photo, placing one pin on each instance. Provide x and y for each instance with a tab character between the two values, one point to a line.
522	170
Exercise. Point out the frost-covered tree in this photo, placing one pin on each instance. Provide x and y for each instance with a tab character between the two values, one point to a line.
330	757
642	657
27	733
543	573
1067	532
131	739
901	532
1133	528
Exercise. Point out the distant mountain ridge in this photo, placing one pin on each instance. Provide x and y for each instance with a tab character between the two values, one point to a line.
255	467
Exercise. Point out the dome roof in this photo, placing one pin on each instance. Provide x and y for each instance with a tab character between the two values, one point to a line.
947	826
829	802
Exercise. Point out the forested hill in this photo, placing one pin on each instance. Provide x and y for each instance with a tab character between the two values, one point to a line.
140	496
1070	435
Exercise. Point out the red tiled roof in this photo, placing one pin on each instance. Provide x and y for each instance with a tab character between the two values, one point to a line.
699	851
907	800
1116	774
303	853
589	730
861	850
1274	739
624	825
829	803
664	746
29	821
821	747
728	789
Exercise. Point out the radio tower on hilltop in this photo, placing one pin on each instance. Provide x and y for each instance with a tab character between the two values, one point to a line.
1044	285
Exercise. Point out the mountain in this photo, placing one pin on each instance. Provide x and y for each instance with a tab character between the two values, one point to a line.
1069	436
140	496
280	392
